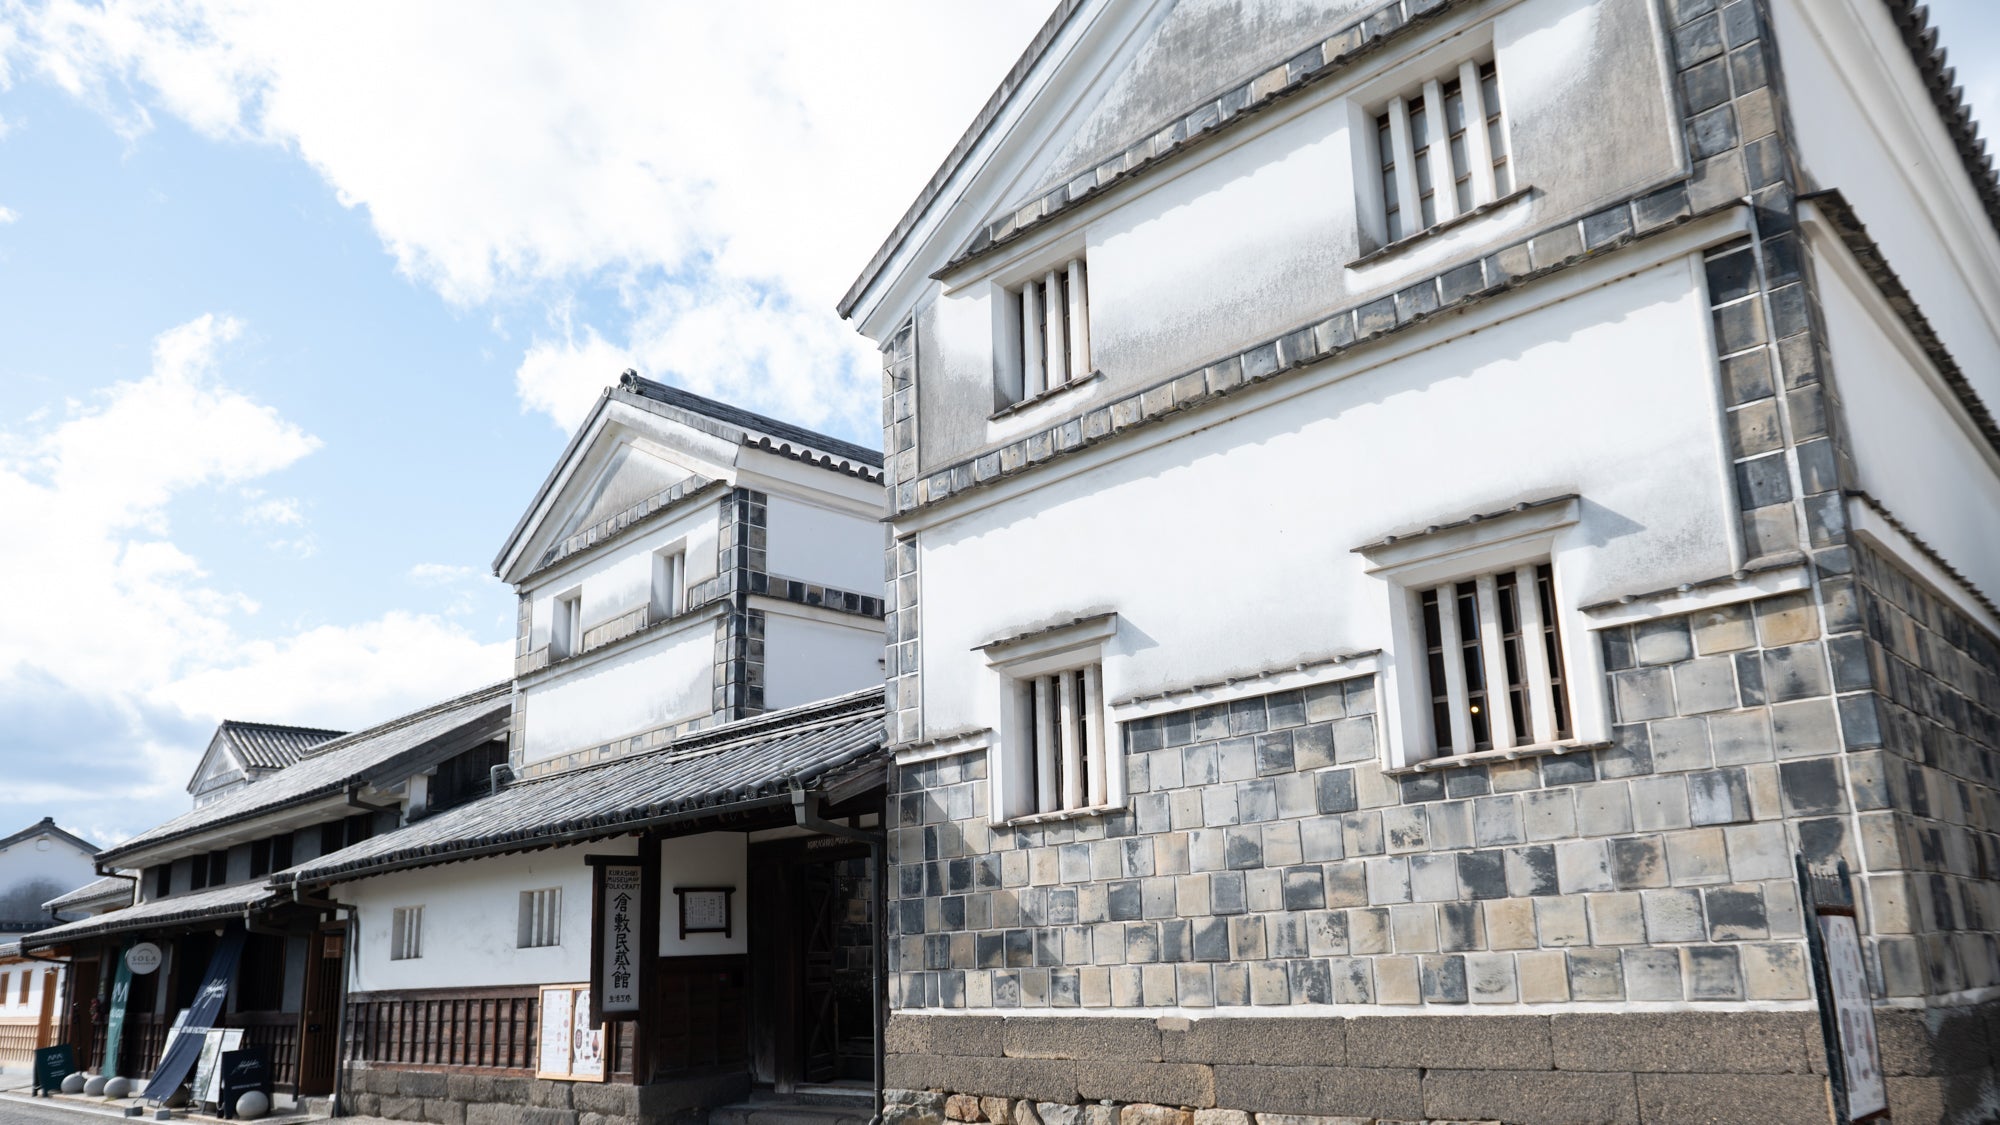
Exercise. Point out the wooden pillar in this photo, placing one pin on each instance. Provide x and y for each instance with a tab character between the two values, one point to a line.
649	958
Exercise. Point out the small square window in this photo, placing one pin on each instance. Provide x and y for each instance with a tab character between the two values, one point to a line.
669	583
1049	344
406	933
1441	150
541	919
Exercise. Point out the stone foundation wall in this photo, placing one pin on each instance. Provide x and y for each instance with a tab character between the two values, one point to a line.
1758	1068
466	1098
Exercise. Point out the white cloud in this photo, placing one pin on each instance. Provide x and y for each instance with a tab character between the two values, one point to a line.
726	167
440	574
345	677
118	647
7	214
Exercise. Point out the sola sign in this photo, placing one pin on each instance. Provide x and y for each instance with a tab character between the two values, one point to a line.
618	952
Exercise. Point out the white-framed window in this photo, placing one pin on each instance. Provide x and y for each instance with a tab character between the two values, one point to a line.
1056	752
1048	328
669	582
541	918
566	625
1493	667
1441	149
1486	655
406	933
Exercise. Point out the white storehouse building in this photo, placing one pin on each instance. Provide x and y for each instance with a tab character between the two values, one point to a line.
1407	517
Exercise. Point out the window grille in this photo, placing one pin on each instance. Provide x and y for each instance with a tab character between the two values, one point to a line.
669	583
566	632
541	918
1493	656
406	933
1051	315
1064	739
1450	134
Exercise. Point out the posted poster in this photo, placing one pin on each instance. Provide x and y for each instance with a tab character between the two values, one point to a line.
208	1068
571	1046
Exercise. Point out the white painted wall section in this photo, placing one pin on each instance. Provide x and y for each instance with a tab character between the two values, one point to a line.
668	679
1610	394
471	916
807	658
818	544
712	859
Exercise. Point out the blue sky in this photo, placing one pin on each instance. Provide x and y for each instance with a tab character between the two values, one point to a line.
298	303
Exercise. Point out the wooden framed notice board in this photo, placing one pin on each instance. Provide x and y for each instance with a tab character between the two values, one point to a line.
571	1046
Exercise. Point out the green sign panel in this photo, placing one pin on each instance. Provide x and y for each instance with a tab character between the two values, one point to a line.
114	1028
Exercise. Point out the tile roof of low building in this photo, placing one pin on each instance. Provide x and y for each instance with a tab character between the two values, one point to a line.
199	906
269	746
746	763
778	434
93	892
47	827
359	758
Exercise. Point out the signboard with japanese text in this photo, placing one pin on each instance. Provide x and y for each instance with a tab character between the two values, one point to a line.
618	953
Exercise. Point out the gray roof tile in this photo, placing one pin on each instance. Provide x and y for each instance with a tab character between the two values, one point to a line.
271	747
750	760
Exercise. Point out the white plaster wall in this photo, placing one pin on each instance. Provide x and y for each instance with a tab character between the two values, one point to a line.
1866	127
1242	240
807	658
712	859
40	975
818	544
1909	450
1609	394
666	679
28	868
471	914
621	579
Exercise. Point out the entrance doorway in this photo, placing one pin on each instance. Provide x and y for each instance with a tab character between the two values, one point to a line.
812	963
319	1016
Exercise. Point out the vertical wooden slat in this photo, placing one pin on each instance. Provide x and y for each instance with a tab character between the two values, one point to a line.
1071	743
1478	146
1095	750
1444	185
1454	669
1535	657
1044	737
1493	654
1055	349
1079	322
1411	208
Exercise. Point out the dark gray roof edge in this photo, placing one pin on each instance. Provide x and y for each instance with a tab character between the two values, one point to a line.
47	827
101	887
496	692
1920	37
111	923
823	712
747	420
988	113
549	482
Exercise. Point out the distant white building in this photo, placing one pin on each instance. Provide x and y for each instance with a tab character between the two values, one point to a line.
39	863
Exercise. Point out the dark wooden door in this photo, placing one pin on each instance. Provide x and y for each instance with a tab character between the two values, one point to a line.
319	1015
810	952
78	1031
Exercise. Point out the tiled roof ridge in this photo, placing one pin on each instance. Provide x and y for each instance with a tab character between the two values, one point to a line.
1920	36
102	887
774	434
1234	101
728	736
233	724
495	690
47	826
1854	235
1001	95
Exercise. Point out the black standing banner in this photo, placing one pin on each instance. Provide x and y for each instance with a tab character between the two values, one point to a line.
243	1071
182	1053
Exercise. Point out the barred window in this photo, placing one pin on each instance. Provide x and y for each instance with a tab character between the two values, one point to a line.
1493	660
406	933
541	918
1051	319
1063	747
1442	150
